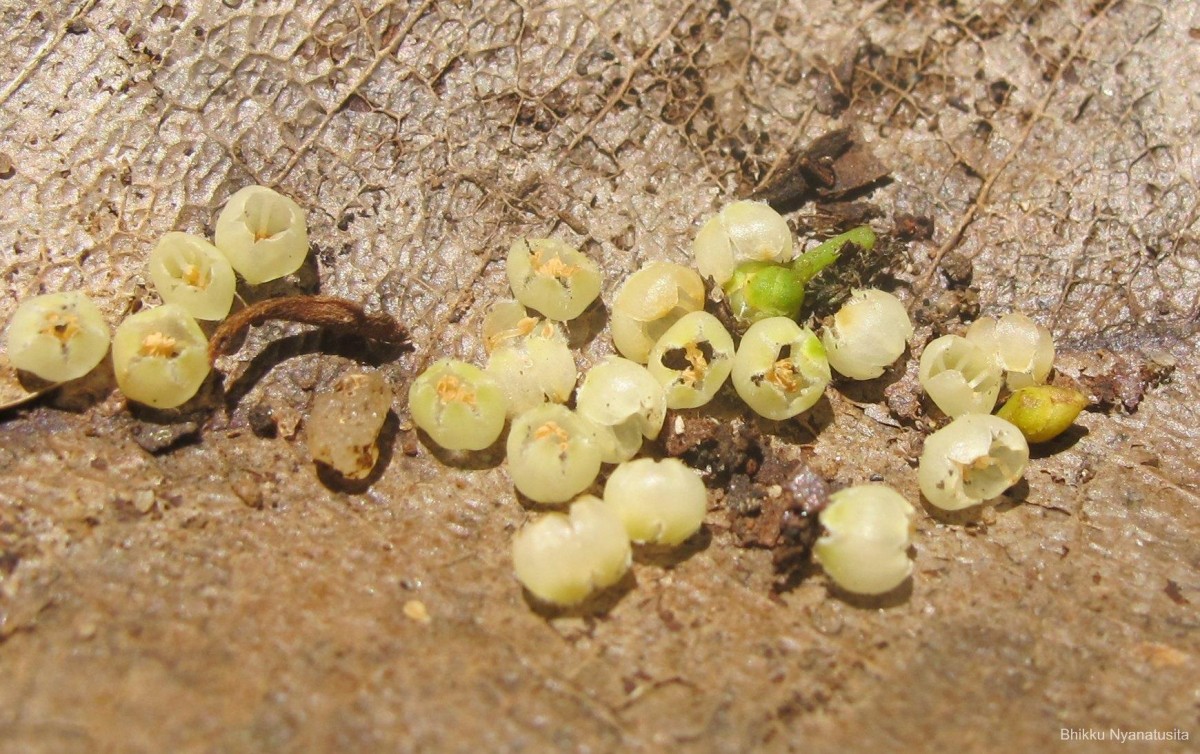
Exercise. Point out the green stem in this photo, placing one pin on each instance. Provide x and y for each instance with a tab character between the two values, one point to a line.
811	262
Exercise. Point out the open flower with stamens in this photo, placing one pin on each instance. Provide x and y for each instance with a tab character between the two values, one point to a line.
160	356
458	405
530	359
692	360
506	320
780	368
57	336
971	460
553	453
191	272
262	233
552	277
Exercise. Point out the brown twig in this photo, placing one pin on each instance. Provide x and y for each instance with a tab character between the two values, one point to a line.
323	311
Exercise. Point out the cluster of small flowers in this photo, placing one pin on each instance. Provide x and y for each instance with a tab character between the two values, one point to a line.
160	354
676	355
554	453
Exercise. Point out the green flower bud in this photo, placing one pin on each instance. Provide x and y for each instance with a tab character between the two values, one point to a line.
759	289
1043	412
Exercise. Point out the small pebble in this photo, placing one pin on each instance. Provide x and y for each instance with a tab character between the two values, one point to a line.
415	610
287	420
262	421
247	488
160	438
85	627
143	501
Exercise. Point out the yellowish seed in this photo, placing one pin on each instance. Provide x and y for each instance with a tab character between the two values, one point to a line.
344	424
415	610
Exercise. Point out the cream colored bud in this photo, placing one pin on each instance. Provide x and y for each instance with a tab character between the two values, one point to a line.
649	302
744	231
535	367
661	502
867	334
868	530
562	559
1022	347
622	396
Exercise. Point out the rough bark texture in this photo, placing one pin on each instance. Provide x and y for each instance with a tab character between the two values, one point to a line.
190	584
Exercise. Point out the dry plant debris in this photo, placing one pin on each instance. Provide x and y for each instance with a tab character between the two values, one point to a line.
329	312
